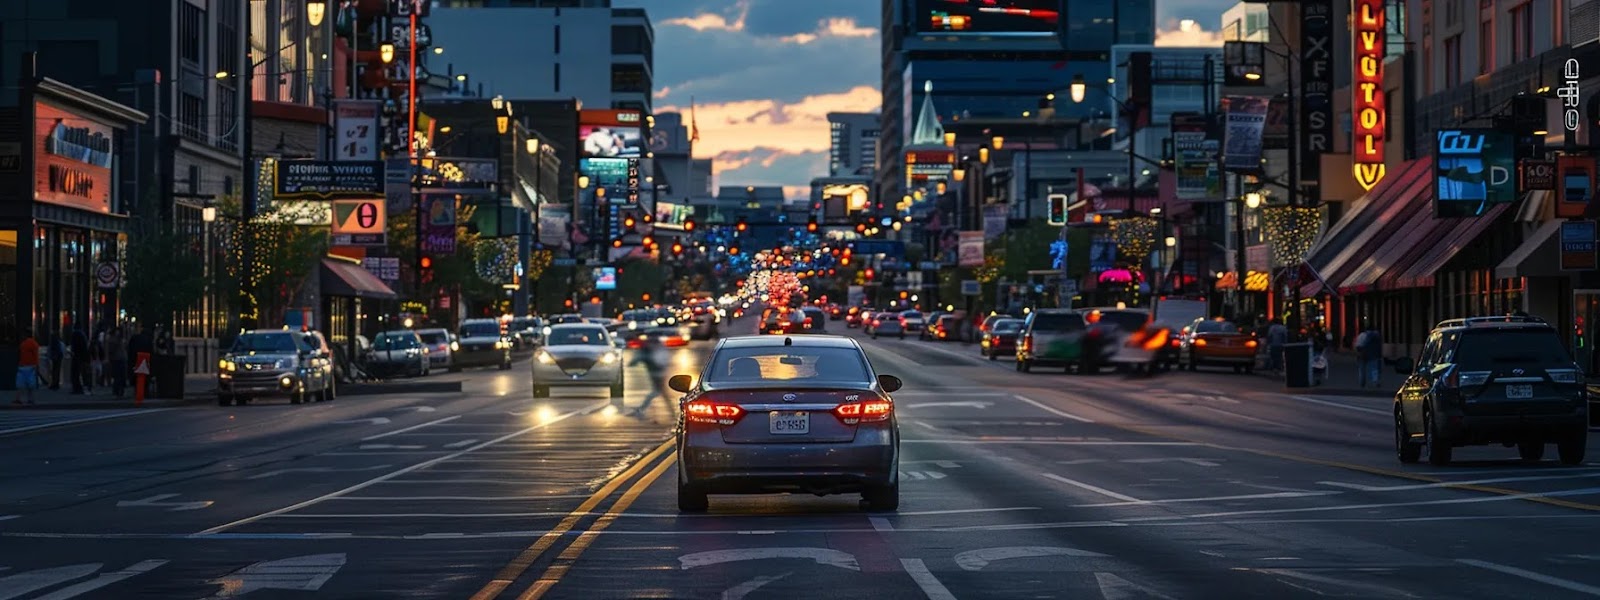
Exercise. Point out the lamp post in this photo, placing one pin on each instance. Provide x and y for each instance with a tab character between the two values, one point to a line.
1249	201
1292	318
1078	90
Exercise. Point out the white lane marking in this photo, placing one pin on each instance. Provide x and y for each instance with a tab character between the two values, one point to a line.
418	408
1114	587
1445	484
459	498
461	443
411	428
1047	441
316	470
931	587
880	524
976	560
105	579
950	405
1096	489
9	517
1364	409
1198	462
1053	411
382	478
301	573
390	447
156	501
1268	496
738	592
27	582
102	417
1472	500
946	464
821	556
963	511
1367	589
1571	586
927	425
371	421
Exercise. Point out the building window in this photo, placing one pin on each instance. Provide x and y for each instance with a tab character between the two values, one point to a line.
1521	33
629	78
192	117
1486	47
191	34
556	74
557	37
1452	61
227	115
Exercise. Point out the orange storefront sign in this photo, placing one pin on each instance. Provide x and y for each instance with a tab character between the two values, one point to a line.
1368	106
74	159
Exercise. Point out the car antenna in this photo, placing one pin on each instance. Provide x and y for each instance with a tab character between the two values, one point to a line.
788	341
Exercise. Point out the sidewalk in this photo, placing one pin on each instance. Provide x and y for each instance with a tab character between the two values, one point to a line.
197	388
1341	379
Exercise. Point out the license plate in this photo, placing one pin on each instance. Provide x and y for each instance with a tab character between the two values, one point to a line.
1518	392
788	423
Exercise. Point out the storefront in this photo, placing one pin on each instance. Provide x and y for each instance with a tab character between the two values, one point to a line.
68	273
351	303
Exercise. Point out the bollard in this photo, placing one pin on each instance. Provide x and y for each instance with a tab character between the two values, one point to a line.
140	373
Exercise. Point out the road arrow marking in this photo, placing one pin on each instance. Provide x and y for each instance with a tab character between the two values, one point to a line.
1114	587
921	475
371	421
9	517
418	408
26	582
946	464
316	470
105	579
821	556
976	560
156	500
301	573
738	592
388	447
460	444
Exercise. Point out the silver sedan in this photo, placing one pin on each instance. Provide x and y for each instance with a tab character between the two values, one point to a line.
795	414
577	355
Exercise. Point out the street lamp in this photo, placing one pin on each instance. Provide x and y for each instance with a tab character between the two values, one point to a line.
498	102
1252	200
208	214
583	182
1172	241
533	145
998	142
386	52
1078	89
315	10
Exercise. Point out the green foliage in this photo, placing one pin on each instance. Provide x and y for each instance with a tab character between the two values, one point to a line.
285	242
164	271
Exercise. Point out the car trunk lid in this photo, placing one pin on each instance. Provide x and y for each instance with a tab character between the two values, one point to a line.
789	415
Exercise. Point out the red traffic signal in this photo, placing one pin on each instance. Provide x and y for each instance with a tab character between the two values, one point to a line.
628	222
741	225
677	248
867	274
616	243
688	225
426	262
812	226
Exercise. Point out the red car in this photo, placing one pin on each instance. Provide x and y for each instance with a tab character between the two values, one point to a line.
1001	338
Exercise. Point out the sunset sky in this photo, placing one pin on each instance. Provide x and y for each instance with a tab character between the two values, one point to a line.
764	74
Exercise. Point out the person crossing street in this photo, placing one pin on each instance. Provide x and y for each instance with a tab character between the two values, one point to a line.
650	355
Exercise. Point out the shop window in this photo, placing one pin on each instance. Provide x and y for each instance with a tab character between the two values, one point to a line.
9	330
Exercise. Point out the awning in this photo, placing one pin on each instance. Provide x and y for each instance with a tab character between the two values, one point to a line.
1463	232
351	280
1538	256
1420	232
1370	220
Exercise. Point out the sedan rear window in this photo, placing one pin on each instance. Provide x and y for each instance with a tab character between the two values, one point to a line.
1057	322
433	337
1007	325
788	363
483	329
1485	350
1216	327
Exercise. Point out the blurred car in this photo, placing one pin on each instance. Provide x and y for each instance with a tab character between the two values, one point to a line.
855	316
932	319
777	321
835	312
703	319
399	352
273	362
889	324
566	318
913	321
1001	339
577	355
1217	342
525	331
480	343
1054	337
804	415
1113	326
441	345
943	328
814	320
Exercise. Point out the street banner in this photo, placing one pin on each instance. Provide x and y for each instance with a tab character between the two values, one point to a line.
1194	152
356	124
1102	253
1316	90
1244	122
1537	174
1577	185
1473	171
970	251
553	222
1578	246
439	224
386	268
359	223
994	221
328	179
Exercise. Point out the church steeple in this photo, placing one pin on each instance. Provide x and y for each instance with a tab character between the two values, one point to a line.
928	130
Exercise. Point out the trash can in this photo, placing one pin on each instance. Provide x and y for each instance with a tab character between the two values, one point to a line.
168	370
1297	365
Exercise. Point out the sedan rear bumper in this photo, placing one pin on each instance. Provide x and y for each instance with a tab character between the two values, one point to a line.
721	468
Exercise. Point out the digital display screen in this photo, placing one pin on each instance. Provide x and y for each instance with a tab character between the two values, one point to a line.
989	17
605	278
608	141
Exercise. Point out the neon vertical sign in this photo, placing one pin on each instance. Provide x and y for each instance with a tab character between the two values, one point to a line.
1367	104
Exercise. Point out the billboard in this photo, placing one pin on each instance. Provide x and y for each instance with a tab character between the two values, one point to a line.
926	168
1194	153
1473	170
611	133
1367	102
553	222
840	200
439	224
1025	18
619	177
75	159
605	278
671	215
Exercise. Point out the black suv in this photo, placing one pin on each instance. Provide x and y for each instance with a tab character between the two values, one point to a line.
1489	380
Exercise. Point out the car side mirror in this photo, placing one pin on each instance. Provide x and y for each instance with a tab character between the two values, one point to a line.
890	383
681	383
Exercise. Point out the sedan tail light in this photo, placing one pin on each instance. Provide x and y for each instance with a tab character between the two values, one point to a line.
1026	345
713	413
871	411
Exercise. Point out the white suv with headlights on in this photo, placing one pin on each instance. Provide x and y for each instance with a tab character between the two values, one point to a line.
577	355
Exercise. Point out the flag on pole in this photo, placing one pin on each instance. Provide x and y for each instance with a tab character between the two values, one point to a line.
694	126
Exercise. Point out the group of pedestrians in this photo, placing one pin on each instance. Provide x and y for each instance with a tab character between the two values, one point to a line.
87	361
1368	350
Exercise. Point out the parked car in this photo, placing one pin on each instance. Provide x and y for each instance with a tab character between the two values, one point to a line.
399	352
481	343
273	362
1492	380
578	355
1001	339
1217	342
441	348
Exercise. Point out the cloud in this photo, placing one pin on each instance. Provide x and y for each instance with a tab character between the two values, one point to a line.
837	27
1186	33
790	127
713	21
662	93
772	166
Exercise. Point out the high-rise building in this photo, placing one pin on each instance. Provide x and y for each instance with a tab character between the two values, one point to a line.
994	67
547	49
852	144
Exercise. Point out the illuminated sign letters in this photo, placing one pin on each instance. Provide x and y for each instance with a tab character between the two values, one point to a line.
1569	94
1367	104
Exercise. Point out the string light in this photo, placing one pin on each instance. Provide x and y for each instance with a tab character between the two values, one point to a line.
1290	232
1135	237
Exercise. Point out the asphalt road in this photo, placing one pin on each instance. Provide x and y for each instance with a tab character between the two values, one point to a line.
1014	485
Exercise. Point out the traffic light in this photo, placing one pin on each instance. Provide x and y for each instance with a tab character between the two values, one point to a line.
425	265
688	225
628	222
677	248
861	227
648	218
844	261
616	243
1058	209
867	274
646	296
741	225
812	225
647	241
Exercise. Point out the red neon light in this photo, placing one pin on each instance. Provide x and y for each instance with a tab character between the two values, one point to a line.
1367	102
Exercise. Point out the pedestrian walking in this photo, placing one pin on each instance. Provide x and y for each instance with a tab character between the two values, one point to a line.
58	357
1277	336
97	356
1369	354
79	346
655	365
27	368
116	345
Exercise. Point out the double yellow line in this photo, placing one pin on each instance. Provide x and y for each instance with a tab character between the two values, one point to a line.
564	561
